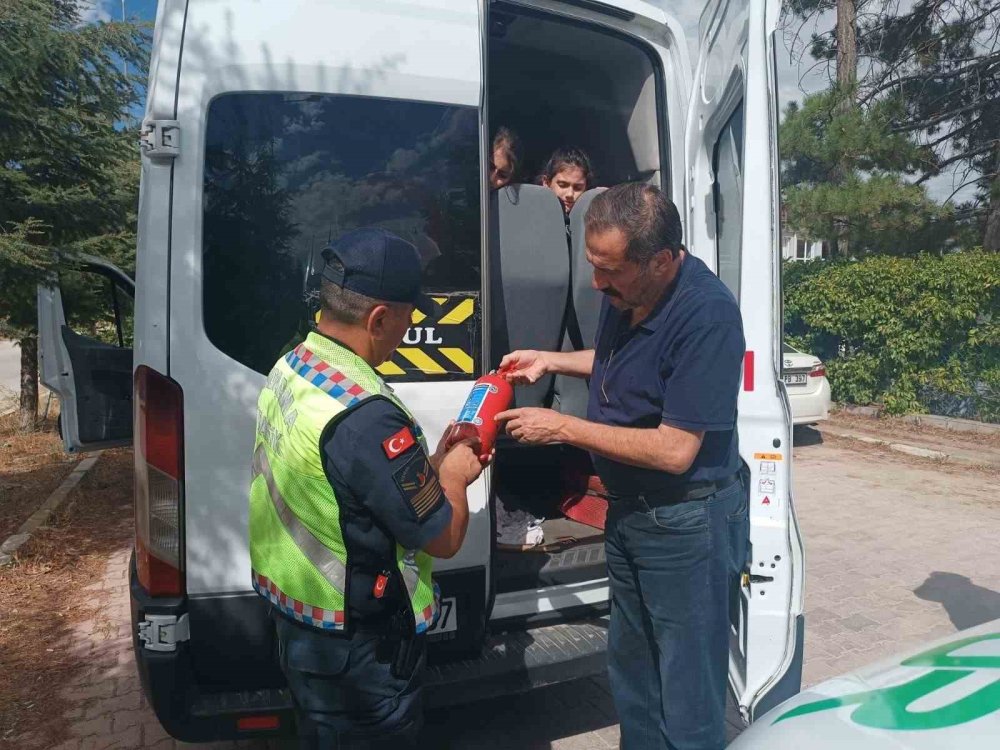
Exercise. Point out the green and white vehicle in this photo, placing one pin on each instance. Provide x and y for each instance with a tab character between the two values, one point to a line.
943	696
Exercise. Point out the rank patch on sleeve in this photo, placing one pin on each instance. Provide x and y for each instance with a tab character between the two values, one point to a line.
419	485
398	444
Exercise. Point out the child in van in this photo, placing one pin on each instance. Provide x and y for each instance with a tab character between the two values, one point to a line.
505	158
569	175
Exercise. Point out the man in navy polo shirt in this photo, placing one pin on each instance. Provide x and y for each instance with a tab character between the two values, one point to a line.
664	379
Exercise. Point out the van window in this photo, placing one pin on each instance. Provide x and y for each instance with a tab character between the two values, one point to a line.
287	173
96	307
727	163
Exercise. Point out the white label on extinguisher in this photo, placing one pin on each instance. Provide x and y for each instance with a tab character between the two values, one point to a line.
474	404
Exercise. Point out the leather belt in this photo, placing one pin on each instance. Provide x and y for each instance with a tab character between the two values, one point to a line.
679	494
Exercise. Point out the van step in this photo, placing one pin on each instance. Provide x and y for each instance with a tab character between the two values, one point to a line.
521	660
517	571
512	662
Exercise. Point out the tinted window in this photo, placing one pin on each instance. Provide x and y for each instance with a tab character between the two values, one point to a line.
285	174
727	162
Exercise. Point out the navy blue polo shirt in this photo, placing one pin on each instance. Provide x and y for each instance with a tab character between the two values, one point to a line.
680	367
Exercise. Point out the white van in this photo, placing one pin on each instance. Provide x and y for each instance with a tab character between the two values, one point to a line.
272	128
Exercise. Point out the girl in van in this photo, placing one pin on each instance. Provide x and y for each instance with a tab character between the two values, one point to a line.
505	158
569	175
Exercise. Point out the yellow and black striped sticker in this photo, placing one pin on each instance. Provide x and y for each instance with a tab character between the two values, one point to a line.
440	346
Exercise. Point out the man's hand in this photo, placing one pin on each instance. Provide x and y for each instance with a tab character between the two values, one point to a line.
533	426
525	366
461	464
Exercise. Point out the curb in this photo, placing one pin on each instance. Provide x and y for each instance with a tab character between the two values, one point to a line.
40	516
910	450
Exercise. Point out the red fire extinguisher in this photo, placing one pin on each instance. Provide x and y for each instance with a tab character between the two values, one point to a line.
490	395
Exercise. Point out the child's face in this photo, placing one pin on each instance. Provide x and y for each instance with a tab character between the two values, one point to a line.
568	184
501	171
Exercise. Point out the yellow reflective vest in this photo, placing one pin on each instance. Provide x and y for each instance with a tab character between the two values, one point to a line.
297	552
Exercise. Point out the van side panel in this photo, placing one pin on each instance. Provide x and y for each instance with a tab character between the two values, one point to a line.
155	185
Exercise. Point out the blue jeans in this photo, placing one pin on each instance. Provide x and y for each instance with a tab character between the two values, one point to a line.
672	570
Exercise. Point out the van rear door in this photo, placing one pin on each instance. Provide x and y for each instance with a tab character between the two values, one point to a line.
86	325
731	186
300	121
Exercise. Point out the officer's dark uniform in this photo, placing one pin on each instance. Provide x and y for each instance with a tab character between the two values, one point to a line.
358	685
351	603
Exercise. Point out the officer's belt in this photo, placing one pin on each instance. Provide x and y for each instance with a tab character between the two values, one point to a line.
672	495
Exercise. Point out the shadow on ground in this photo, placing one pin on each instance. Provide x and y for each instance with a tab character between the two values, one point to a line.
966	603
803	435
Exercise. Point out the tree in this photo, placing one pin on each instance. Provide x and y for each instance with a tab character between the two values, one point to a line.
68	159
845	176
939	61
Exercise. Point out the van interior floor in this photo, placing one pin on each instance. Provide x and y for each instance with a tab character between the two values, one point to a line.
580	557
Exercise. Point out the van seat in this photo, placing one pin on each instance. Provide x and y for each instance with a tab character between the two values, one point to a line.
530	257
571	393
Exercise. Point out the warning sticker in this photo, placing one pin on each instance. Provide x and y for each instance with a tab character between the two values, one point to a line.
768	467
767	456
440	346
765	486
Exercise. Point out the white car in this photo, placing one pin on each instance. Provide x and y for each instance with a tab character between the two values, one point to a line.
944	696
808	389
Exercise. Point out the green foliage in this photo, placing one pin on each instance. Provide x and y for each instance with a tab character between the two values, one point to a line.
903	331
68	159
844	173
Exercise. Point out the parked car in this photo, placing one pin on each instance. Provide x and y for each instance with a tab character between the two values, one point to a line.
808	389
268	132
945	696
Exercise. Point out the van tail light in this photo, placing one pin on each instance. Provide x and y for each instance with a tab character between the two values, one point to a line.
819	371
158	426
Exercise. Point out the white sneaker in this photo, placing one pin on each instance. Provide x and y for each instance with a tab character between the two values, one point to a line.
518	528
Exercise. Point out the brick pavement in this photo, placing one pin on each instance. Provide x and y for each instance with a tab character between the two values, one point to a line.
897	553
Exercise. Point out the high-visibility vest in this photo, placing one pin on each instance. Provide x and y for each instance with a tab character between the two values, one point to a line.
297	550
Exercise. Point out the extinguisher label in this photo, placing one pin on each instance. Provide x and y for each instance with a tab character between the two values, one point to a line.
474	403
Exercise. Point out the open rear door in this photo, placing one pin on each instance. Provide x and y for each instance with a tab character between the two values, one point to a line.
731	187
85	329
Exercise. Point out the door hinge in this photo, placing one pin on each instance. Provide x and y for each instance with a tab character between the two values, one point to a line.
164	632
160	139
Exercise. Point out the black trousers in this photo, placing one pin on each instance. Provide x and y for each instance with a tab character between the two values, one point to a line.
345	692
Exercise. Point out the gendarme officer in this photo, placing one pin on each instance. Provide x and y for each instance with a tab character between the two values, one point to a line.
347	507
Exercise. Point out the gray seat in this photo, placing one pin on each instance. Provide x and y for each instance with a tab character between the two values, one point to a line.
571	393
530	257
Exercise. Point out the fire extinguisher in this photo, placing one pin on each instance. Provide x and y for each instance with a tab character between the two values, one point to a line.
490	395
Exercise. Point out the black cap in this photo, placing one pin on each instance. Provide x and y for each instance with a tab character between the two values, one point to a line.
377	264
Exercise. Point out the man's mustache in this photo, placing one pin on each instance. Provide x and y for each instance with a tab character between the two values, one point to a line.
612	292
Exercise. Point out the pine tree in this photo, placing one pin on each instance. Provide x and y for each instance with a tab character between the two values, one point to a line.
68	156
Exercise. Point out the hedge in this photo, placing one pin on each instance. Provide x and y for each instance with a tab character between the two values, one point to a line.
919	333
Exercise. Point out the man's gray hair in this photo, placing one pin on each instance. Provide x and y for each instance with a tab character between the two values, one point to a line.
648	219
344	305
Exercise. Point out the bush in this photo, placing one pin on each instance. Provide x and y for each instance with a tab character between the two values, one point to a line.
912	334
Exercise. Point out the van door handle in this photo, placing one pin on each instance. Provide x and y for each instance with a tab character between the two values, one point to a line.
747	578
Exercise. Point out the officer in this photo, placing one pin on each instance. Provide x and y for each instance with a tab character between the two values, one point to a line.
347	507
661	428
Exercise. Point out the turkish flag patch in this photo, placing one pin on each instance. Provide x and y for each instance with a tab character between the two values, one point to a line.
399	443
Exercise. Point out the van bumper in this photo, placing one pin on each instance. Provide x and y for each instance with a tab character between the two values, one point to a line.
514	661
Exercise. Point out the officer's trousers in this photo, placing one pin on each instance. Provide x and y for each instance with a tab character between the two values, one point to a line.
345	694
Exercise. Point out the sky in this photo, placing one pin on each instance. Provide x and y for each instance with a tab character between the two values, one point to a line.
797	73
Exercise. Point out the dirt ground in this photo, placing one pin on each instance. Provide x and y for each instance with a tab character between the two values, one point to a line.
894	428
32	464
41	595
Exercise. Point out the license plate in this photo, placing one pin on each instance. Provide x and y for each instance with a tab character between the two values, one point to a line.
448	619
795	379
